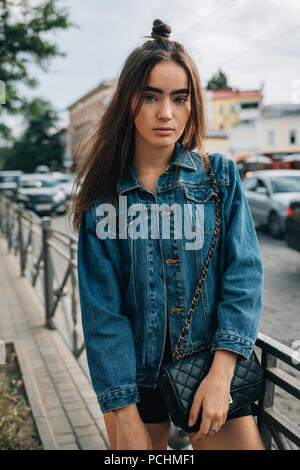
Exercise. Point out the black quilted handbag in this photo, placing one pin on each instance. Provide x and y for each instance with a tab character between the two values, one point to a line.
179	380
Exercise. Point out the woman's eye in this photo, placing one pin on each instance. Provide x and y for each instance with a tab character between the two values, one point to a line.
149	98
181	99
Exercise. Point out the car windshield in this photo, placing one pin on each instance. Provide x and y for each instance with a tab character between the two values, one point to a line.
286	184
8	179
37	183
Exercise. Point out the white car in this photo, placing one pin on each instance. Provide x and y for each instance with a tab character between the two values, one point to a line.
65	181
270	194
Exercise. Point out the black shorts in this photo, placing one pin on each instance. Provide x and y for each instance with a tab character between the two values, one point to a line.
152	408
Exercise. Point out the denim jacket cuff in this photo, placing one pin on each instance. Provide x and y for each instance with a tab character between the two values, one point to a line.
118	398
231	341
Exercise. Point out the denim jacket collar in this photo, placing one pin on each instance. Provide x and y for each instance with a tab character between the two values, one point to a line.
180	158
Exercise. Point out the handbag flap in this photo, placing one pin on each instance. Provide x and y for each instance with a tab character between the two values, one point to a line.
185	376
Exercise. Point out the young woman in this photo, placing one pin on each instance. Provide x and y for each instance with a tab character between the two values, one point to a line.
144	170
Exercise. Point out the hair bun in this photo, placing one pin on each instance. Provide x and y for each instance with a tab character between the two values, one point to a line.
160	30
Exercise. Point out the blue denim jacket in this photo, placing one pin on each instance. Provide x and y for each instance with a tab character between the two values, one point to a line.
128	285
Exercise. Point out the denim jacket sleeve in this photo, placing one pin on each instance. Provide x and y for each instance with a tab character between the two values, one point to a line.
241	293
107	332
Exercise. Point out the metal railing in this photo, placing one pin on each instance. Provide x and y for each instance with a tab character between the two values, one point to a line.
272	423
48	259
41	250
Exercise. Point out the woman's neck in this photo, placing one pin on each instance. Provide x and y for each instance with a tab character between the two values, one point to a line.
151	160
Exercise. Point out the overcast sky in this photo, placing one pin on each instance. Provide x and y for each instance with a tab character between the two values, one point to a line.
253	41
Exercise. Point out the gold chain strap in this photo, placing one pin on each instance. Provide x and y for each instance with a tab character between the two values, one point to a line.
176	354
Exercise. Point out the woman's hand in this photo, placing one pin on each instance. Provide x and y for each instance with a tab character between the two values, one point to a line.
213	395
131	431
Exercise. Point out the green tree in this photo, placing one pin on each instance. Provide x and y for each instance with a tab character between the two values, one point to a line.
218	82
41	142
22	41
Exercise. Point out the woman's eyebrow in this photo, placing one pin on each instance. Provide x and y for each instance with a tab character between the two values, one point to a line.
175	92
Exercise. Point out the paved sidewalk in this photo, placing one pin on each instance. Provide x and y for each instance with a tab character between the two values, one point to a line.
61	397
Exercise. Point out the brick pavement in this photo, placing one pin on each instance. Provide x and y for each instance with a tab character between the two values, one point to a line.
63	403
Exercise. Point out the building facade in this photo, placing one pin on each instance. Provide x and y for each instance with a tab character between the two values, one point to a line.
84	115
280	129
234	114
227	108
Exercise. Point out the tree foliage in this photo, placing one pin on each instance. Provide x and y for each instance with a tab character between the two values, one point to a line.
41	142
24	26
218	82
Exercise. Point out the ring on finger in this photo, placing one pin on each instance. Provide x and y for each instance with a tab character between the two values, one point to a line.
216	429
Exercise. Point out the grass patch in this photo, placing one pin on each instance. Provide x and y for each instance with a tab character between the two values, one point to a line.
17	428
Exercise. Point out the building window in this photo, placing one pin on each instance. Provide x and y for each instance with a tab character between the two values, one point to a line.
271	137
249	105
292	137
232	109
221	109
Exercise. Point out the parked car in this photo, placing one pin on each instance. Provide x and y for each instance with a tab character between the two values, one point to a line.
8	181
270	194
42	169
41	194
65	181
292	227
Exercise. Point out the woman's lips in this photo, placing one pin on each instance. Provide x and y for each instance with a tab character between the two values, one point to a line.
162	131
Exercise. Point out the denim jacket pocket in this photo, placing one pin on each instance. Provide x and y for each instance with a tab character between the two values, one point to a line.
201	209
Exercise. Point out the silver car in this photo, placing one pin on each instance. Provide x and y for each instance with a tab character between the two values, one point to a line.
8	181
41	194
269	194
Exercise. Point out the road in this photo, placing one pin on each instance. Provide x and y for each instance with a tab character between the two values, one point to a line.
281	303
61	222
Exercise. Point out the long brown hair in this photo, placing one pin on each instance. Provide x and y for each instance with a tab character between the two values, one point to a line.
106	154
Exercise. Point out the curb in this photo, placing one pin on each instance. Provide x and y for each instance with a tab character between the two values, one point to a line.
36	404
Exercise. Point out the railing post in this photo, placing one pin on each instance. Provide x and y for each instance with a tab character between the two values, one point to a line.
8	227
267	361
73	299
1	216
21	244
48	272
7	219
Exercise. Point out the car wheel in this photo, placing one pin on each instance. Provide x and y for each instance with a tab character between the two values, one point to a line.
274	224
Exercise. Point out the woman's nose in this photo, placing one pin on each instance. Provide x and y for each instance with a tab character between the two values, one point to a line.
164	111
